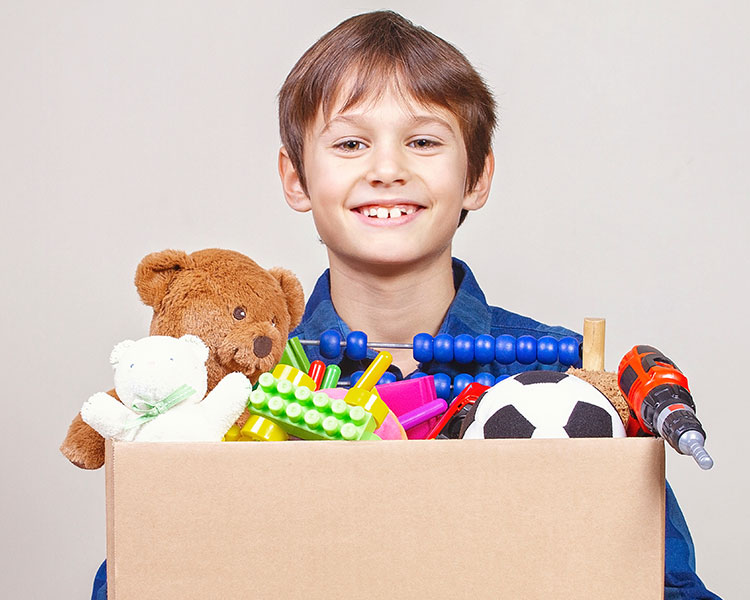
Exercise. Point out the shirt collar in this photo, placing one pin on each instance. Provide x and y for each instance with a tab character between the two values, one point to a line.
468	313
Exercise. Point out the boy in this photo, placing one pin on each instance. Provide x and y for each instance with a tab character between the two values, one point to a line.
386	133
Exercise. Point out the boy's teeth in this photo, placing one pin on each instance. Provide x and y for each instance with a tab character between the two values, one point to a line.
383	212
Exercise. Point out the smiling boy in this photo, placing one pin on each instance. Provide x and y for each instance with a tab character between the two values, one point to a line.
386	132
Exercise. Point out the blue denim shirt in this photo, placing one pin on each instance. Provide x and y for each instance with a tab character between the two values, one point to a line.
469	313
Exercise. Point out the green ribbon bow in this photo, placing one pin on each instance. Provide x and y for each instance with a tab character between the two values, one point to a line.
149	410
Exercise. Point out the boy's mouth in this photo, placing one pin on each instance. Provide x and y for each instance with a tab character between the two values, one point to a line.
376	211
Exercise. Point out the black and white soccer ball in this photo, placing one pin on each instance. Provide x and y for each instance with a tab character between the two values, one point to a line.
542	404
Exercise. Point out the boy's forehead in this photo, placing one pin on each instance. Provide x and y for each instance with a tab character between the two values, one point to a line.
349	105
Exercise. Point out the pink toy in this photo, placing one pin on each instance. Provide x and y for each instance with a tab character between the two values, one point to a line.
415	403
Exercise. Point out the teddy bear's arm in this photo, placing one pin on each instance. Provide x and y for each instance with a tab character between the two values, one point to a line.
106	415
226	402
83	446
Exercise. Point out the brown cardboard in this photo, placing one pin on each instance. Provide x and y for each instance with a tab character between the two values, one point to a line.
414	519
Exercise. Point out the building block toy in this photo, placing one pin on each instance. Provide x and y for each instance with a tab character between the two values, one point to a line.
256	429
309	415
389	429
297	377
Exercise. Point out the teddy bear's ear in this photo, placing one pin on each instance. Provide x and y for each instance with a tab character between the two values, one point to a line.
156	271
197	346
295	298
118	351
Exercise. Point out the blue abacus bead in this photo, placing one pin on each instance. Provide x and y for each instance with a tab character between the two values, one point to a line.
546	350
568	351
526	349
487	379
356	345
505	349
422	347
355	377
330	343
484	349
417	375
443	348
442	386
460	382
463	349
387	377
499	378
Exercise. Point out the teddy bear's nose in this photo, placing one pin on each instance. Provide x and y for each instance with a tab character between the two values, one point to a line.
262	346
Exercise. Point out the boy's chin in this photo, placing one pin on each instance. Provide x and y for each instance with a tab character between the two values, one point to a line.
386	259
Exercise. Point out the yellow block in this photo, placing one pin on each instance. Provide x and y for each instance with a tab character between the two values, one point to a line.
294	375
370	400
232	435
260	429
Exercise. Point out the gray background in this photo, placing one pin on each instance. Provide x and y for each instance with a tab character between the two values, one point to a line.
621	191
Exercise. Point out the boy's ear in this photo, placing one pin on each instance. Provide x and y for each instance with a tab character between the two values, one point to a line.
477	197
294	191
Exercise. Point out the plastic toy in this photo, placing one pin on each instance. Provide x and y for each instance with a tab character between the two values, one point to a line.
294	355
297	377
542	404
660	402
463	349
389	429
316	372
256	429
415	404
449	425
243	312
161	382
309	415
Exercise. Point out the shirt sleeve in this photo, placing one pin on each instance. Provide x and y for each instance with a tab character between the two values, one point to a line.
681	582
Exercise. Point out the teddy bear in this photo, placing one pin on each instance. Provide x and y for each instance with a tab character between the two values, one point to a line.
161	382
242	312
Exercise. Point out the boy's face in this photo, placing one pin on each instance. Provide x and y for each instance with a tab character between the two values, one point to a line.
385	181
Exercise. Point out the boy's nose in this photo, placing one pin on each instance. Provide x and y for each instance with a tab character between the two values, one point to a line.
387	167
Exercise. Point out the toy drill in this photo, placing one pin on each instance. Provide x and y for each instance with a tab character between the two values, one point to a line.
660	402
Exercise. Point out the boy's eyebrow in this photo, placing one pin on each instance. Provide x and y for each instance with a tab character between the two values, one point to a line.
417	120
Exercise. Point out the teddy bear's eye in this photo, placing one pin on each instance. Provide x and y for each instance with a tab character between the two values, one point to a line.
239	313
273	322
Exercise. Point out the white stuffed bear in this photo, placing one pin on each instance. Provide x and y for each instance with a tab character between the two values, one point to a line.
161	382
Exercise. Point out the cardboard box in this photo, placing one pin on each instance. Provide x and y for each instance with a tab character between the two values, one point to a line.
578	518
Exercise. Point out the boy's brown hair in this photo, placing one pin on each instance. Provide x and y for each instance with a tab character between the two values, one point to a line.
379	49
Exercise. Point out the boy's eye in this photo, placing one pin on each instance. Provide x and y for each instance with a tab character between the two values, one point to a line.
350	145
424	143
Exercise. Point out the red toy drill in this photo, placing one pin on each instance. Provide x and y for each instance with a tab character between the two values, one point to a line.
660	402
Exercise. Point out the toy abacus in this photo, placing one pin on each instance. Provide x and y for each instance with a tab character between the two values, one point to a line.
463	349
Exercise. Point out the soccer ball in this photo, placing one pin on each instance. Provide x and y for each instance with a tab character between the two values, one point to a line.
542	404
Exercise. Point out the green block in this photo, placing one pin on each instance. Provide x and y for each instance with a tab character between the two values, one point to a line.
309	415
294	355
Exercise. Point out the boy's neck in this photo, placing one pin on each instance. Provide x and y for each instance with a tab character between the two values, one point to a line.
393	304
